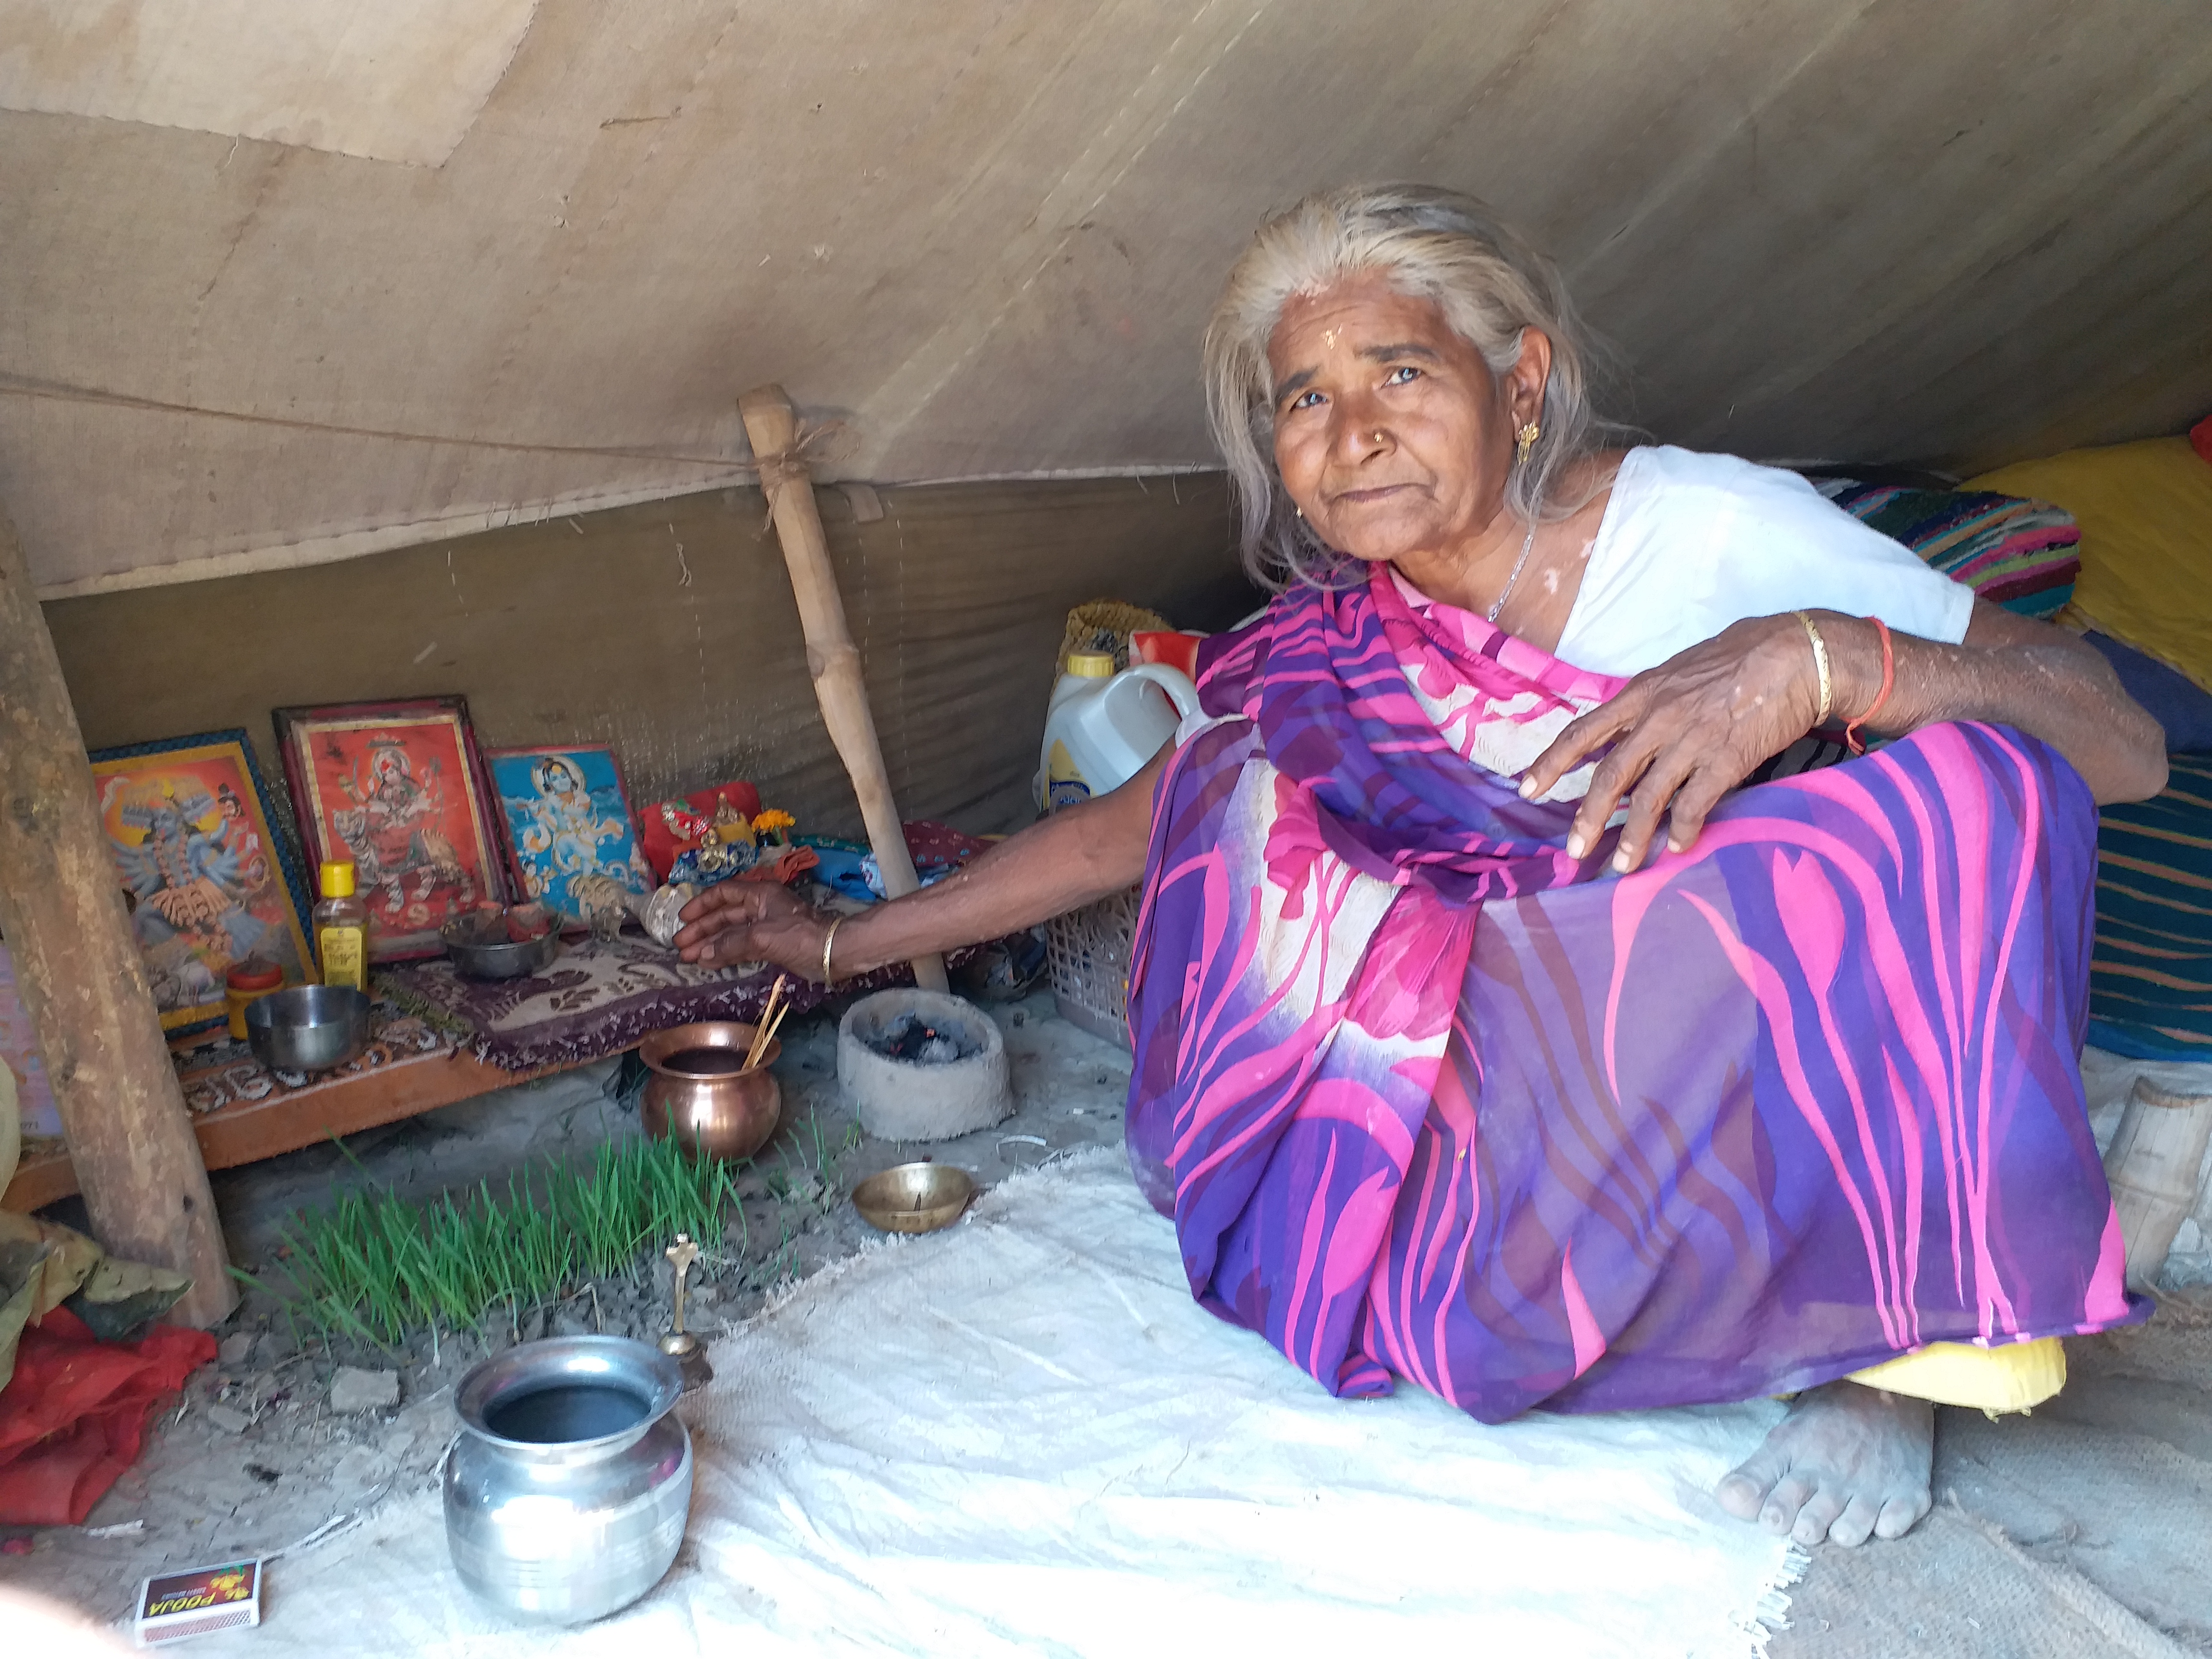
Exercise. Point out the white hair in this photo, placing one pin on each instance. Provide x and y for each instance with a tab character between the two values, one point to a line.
1429	244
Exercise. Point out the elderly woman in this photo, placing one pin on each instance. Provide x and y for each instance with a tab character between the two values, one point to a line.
1490	1031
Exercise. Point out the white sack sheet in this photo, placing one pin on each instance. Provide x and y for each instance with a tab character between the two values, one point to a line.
1023	1437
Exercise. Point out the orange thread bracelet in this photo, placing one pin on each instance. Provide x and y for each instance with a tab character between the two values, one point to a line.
1888	683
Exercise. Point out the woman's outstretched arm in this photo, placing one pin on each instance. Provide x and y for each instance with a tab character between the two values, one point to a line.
1684	733
1077	855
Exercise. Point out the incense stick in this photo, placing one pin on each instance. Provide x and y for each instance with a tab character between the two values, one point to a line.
775	1025
761	1027
763	1030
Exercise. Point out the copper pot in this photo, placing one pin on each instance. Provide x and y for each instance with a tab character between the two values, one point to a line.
707	1105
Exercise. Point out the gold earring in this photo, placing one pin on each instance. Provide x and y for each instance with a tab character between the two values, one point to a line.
1524	441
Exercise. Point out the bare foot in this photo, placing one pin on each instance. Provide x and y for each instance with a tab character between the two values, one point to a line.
1848	1463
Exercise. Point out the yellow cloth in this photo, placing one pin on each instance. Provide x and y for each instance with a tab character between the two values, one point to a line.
2145	511
2011	1378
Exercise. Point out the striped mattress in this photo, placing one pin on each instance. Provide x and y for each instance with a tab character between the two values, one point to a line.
2150	974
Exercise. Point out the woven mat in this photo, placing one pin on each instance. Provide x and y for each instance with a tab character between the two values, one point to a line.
2080	1532
225	1073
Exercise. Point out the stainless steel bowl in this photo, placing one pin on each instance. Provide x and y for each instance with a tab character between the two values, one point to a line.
308	1028
480	949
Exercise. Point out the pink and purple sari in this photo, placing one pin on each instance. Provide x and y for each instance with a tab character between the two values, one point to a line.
1427	1098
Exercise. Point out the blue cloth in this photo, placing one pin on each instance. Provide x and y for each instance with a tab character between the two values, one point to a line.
2175	702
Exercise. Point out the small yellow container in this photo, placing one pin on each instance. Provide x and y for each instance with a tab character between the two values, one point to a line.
245	982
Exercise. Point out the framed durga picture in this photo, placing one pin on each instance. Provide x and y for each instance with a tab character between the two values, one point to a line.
398	789
209	884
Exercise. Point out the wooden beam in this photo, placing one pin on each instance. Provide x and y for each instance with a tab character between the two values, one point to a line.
83	985
248	1131
834	660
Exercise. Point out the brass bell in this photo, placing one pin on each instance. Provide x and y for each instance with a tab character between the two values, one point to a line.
679	1344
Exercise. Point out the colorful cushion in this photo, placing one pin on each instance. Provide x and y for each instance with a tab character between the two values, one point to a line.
2145	511
2017	554
2150	973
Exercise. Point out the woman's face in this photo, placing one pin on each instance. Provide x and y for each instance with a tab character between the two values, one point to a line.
1391	434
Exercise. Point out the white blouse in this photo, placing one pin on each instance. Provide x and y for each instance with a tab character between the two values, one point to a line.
1691	543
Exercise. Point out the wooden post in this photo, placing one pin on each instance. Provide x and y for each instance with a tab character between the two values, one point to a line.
61	908
831	657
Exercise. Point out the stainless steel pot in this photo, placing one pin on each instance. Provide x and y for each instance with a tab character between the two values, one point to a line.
567	1491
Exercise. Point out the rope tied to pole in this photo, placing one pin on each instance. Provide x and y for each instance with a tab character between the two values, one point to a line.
812	443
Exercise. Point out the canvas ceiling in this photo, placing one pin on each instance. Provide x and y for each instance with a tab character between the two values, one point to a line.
378	271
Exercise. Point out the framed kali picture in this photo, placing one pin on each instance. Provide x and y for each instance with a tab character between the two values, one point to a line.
209	881
20	1058
567	818
398	789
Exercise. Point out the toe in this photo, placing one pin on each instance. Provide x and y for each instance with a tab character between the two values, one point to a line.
1821	1511
1857	1524
1900	1515
1779	1514
1741	1495
1747	1486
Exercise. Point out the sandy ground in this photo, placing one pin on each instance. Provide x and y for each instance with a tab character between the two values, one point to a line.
2084	1530
252	1460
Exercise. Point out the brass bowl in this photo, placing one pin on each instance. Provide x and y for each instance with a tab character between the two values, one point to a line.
727	1114
914	1198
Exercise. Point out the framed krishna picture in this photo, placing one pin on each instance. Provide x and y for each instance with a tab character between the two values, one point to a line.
398	789
567	818
210	881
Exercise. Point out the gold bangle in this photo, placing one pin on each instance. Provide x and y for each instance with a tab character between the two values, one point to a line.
1821	662
828	940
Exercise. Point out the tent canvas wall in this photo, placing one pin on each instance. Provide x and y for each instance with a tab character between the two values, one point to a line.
669	631
388	273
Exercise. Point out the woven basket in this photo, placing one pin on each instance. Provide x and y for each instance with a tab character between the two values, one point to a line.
1105	625
1087	956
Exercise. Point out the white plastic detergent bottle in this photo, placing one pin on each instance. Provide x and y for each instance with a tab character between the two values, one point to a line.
1101	727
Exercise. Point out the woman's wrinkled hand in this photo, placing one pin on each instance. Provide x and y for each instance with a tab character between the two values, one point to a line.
752	921
1684	733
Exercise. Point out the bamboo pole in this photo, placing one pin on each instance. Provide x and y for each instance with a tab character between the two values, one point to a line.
834	660
83	985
